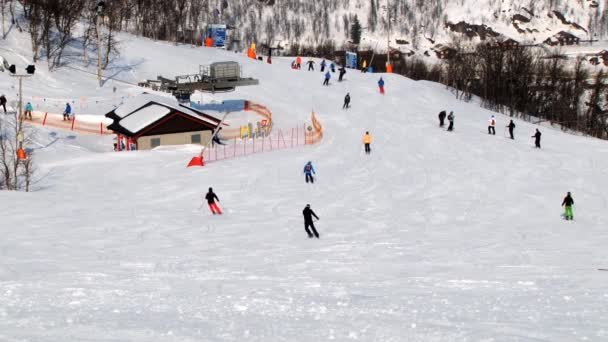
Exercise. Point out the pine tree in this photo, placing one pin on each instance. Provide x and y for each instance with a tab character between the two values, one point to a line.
355	31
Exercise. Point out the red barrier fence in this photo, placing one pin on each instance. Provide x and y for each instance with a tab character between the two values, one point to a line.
279	140
56	121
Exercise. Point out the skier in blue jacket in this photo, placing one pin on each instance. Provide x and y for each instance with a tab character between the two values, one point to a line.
309	171
327	77
323	64
28	111
67	112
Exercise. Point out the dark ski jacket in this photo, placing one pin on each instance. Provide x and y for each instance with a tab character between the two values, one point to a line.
568	201
2	100
451	117
211	197
347	98
308	214
442	115
308	169
511	125
536	136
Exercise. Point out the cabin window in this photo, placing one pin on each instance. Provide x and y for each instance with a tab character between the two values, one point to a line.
195	138
154	142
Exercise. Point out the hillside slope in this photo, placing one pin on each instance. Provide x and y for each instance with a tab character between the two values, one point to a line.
312	23
435	236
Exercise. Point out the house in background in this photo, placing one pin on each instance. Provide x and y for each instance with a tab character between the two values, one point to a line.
148	121
444	51
562	38
509	44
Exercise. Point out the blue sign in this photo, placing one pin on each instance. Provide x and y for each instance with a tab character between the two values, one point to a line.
351	60
218	33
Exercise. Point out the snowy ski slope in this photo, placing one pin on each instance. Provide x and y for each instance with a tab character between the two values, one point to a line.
435	236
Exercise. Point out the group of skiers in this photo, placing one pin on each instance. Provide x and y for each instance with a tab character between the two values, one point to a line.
296	64
28	109
309	171
491	126
450	117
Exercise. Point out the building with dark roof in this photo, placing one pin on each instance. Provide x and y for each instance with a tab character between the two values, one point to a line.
149	121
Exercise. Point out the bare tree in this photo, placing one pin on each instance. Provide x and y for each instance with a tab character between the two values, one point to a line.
15	138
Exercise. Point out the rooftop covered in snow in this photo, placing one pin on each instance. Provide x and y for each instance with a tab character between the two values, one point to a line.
149	114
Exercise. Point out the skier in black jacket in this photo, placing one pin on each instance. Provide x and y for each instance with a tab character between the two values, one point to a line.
211	197
342	71
346	101
441	118
536	137
511	127
3	102
567	203
451	120
308	214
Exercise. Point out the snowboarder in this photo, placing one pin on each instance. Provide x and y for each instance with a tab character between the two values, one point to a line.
367	140
342	71
308	214
298	62
28	111
332	67
67	111
381	85
346	101
311	65
3	102
323	64
536	137
309	170
491	124
451	121
327	77
567	203
441	118
211	197
511	128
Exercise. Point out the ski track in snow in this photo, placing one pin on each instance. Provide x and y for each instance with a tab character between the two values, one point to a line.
435	236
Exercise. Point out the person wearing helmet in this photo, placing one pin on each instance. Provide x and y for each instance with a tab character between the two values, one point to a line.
211	197
308	214
568	202
309	170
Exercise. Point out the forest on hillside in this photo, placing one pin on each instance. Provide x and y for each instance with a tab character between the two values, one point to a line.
534	84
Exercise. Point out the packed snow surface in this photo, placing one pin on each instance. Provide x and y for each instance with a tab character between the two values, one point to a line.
435	236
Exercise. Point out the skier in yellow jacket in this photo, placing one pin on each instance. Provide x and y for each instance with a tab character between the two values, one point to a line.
367	140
